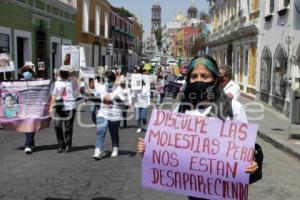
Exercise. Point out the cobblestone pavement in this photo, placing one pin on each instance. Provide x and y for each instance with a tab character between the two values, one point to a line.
47	175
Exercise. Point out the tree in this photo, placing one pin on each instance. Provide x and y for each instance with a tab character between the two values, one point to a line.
198	45
158	36
204	16
124	12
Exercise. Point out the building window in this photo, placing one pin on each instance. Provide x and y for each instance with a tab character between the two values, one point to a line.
85	18
265	74
254	5
271	6
106	25
280	69
4	43
97	21
283	4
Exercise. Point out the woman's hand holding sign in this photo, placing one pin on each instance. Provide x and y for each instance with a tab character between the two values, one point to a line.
141	146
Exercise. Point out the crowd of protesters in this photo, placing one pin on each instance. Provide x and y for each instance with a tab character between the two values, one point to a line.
110	96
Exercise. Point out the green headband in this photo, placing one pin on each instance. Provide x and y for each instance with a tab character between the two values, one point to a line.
207	63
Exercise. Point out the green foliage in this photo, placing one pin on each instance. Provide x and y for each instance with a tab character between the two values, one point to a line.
158	36
204	16
124	12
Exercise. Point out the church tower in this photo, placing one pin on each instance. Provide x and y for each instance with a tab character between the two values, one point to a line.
192	11
156	16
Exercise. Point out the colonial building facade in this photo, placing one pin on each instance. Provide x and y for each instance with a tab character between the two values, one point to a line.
279	52
234	37
93	31
260	39
34	30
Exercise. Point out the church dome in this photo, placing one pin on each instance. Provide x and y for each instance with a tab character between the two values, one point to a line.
193	7
179	16
156	5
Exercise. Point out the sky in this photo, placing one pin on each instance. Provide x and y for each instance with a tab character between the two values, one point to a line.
142	9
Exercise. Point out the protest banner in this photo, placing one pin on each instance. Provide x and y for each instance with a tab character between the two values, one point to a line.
71	56
198	156
173	88
148	79
87	72
41	66
136	81
24	105
6	65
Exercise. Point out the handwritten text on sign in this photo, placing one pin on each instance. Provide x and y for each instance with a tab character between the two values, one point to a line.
201	157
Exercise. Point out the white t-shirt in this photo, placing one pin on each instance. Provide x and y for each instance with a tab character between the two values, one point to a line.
232	88
239	113
65	90
110	111
126	95
142	98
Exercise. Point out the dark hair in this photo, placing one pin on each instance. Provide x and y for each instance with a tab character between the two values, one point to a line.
212	60
64	74
15	98
26	68
228	70
111	76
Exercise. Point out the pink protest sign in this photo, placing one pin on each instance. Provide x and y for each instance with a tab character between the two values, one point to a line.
196	156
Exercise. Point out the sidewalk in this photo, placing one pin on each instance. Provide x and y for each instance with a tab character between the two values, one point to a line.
273	128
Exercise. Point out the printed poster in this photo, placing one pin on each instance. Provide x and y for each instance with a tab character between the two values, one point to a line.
24	105
198	156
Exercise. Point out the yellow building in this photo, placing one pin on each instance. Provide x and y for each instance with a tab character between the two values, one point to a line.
234	39
93	30
180	43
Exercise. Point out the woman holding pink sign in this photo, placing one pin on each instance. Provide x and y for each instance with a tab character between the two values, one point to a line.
203	97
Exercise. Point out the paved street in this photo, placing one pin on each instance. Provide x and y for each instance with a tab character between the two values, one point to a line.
47	175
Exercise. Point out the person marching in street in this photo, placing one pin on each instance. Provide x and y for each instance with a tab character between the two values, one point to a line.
141	106
230	87
203	97
64	99
109	115
128	99
28	75
95	101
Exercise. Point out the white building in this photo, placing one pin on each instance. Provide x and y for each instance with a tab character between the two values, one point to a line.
279	52
171	28
257	37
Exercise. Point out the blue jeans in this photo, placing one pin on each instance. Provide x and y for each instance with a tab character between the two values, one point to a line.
141	116
29	140
102	126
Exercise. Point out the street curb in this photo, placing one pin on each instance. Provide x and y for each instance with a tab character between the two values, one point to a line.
279	145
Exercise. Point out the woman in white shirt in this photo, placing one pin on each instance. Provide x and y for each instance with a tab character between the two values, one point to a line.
109	115
141	106
202	97
64	93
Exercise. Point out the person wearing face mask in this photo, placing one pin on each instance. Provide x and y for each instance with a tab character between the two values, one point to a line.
203	97
64	98
141	105
231	88
28	75
109	115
